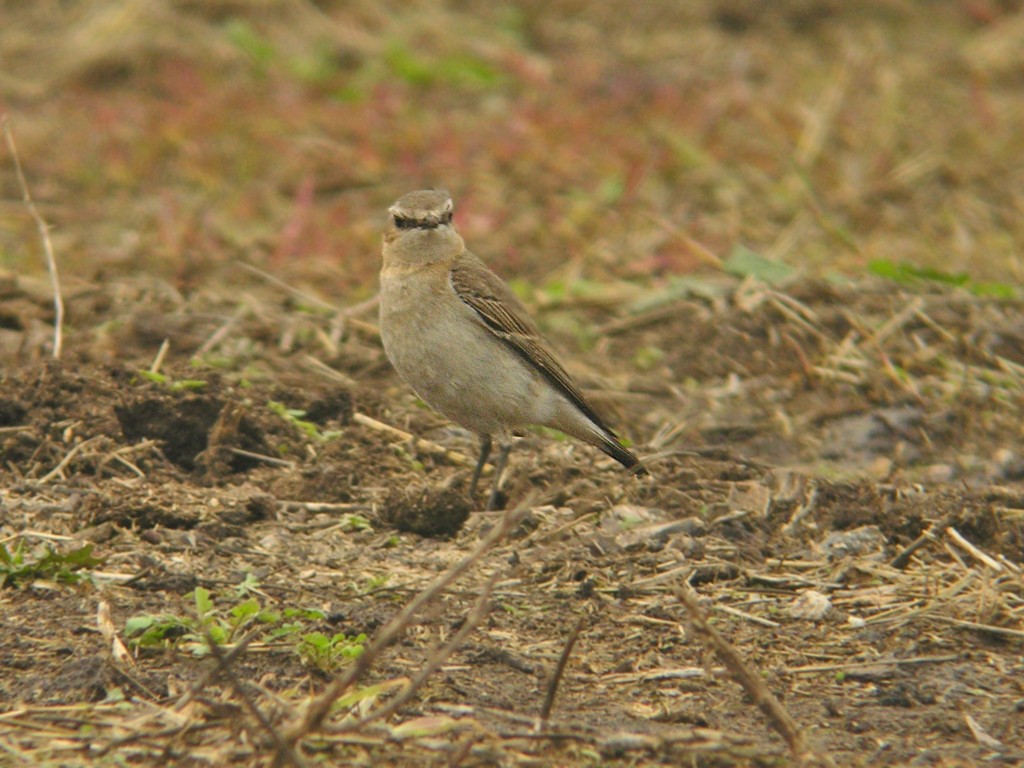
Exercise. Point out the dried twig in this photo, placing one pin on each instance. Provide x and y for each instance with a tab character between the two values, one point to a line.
221	333
161	354
262	457
320	707
981	735
296	292
747	616
418	443
903	558
322	506
362	307
748	678
972	550
44	234
990	628
205	679
436	659
556	676
813	669
105	624
323	369
805	508
67	459
224	665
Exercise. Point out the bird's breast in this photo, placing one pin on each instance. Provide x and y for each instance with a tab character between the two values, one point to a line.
450	359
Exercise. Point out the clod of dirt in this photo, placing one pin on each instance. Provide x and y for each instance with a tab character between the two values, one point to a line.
337	405
12	413
810	605
858	542
130	511
181	425
319	404
157	577
87	678
234	429
426	511
260	506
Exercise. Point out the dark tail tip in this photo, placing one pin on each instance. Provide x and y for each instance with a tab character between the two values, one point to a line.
624	457
639	470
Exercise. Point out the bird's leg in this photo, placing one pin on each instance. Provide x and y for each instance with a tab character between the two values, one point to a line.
499	470
485	451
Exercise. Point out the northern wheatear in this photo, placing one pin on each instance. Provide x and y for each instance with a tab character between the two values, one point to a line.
461	339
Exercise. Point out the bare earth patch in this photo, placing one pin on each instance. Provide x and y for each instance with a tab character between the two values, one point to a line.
882	605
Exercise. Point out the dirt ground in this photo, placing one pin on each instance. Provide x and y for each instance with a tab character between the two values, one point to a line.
836	455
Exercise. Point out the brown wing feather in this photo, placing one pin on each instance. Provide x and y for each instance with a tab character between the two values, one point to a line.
500	310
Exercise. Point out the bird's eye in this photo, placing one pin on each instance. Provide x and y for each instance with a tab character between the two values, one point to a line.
403	223
446	217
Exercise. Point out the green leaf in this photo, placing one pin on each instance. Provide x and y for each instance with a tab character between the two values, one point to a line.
353	522
907	274
370	692
430	725
993	290
159	378
304	613
248	584
12	559
245	610
188	384
744	262
50	565
82	558
317	640
218	634
138	624
204	604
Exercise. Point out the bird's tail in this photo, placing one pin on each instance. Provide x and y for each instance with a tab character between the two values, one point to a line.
589	429
621	454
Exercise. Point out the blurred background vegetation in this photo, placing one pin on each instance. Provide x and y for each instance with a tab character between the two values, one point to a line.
601	141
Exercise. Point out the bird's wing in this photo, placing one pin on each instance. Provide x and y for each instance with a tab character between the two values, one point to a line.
503	314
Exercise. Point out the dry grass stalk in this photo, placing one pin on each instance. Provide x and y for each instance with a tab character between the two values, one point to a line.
846	363
814	669
418	443
44	235
303	296
161	354
58	470
750	680
322	506
211	673
434	661
821	119
224	666
222	332
903	558
556	676
976	553
263	457
320	707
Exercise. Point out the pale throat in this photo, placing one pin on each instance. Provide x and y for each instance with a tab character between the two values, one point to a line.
417	249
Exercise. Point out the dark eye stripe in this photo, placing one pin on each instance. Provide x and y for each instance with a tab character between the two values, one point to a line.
402	222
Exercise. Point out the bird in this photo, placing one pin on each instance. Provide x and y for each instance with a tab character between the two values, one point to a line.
463	342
